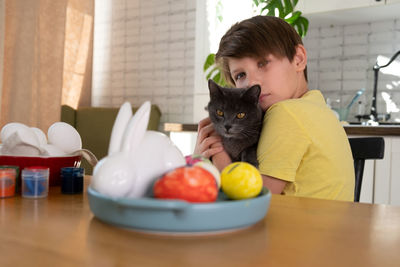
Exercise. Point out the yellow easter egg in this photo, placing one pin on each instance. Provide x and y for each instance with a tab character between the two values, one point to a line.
241	180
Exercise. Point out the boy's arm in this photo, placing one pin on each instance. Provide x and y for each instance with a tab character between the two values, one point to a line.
221	160
209	145
274	185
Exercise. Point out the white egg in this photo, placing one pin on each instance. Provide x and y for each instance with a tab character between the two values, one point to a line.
52	150
22	142
64	136
212	169
40	135
27	136
24	150
11	128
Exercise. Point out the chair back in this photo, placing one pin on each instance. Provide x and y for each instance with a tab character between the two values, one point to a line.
364	148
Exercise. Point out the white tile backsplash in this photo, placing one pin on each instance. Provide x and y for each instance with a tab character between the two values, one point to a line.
355	50
382	26
355	39
342	58
364	28
331	31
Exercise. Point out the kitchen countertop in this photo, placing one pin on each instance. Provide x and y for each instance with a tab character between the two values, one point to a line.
380	130
372	130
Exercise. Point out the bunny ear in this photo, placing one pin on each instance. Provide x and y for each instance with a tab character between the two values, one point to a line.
136	128
123	117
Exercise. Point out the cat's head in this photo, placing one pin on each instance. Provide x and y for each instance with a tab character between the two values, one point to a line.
235	112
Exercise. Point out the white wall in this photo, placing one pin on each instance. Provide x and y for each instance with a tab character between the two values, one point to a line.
340	61
145	50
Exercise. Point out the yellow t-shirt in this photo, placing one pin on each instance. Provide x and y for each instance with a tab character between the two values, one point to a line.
302	142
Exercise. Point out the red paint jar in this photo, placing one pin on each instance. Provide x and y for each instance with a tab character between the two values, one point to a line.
7	182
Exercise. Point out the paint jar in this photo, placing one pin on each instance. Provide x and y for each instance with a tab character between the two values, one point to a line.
72	180
7	182
17	177
35	182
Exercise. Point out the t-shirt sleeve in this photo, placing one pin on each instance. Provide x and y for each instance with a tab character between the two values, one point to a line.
282	145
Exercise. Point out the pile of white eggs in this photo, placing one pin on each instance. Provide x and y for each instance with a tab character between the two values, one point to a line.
21	140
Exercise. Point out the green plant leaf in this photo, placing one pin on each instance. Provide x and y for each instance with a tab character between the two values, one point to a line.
217	78
218	10
271	6
288	7
213	71
279	6
292	20
301	25
210	61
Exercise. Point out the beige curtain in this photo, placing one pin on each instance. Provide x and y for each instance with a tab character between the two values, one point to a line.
47	54
78	52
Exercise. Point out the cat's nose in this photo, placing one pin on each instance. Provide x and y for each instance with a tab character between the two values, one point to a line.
227	127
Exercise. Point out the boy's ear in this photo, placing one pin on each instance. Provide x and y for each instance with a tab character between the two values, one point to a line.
300	58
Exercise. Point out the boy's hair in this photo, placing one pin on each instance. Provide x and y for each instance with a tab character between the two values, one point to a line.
256	38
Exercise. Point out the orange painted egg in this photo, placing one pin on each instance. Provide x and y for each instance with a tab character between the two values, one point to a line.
190	183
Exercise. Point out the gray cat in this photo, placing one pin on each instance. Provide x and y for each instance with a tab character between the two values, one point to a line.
237	118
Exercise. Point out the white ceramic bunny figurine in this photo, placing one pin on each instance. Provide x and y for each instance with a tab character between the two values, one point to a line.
136	157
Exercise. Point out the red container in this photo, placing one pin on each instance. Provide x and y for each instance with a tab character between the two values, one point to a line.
54	163
7	182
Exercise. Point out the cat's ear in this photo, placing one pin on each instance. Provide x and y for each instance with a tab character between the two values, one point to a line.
214	88
253	93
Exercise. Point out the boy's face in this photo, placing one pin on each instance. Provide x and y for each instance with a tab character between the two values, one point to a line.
279	78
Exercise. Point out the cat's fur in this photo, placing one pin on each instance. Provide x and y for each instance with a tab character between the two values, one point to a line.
239	135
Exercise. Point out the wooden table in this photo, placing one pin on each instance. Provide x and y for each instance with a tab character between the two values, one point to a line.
61	231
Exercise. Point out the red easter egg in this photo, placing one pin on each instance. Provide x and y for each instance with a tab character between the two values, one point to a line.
193	184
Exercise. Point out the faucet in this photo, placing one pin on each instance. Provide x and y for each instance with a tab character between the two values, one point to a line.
376	68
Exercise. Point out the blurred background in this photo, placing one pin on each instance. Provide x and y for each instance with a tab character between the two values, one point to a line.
104	52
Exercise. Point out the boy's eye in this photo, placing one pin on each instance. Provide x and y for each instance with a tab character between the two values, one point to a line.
239	76
240	115
262	63
220	113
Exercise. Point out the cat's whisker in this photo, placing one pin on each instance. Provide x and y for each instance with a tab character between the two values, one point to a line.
250	132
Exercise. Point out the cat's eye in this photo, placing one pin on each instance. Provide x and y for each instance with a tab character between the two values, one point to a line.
240	115
220	113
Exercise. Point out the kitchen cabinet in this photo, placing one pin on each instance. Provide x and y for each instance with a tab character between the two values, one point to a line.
318	6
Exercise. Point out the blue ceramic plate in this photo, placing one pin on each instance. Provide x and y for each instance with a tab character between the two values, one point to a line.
170	216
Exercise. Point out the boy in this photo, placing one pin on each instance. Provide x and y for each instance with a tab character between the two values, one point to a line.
303	149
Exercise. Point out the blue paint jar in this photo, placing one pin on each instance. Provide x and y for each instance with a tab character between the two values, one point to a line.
35	182
72	180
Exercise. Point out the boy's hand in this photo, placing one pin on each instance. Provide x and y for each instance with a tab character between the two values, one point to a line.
208	142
